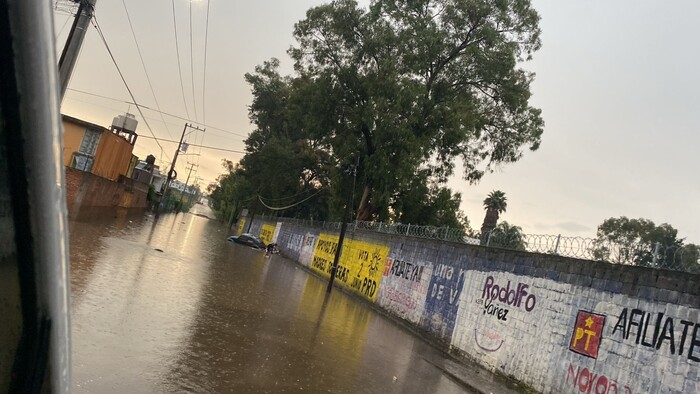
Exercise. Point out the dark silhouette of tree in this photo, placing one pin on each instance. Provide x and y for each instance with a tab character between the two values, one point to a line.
506	235
494	204
641	242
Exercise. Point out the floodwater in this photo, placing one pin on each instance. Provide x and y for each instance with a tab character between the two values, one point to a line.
204	315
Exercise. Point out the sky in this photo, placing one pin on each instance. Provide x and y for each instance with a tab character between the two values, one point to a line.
617	83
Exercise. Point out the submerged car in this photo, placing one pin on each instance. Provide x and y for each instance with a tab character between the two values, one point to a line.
248	240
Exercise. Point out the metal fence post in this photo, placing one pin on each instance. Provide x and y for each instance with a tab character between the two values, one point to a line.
556	247
408	229
656	254
488	240
379	230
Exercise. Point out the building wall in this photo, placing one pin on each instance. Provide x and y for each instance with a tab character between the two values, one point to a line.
84	189
112	157
72	137
557	324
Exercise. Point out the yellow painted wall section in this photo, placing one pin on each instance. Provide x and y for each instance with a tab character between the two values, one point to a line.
267	232
112	157
360	266
72	137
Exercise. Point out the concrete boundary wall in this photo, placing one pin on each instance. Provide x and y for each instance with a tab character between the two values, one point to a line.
559	325
86	190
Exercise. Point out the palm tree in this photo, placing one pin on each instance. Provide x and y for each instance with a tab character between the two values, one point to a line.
508	236
494	204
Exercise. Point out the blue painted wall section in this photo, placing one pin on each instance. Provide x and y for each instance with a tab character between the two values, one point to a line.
444	290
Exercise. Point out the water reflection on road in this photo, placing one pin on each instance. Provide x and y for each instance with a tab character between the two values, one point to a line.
204	315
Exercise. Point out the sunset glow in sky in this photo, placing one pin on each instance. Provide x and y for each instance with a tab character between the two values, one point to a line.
617	83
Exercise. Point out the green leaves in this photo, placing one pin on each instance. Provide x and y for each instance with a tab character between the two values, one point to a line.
404	87
641	242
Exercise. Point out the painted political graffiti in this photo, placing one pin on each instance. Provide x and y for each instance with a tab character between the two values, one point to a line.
360	267
267	232
404	286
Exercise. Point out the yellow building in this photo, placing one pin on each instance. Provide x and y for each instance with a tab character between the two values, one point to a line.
96	149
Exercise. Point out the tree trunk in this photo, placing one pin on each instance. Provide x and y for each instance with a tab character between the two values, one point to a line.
490	221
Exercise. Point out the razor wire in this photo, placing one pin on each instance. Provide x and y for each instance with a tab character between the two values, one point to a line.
673	257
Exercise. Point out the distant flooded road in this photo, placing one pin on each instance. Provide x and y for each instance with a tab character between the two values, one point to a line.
168	305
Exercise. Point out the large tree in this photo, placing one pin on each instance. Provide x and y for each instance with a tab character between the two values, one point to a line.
283	164
494	204
410	85
642	242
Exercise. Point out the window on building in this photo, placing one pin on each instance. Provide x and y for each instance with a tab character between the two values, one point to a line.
89	143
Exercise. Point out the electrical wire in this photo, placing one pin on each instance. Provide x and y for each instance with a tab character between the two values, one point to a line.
204	79
179	66
121	109
138	107
62	27
155	110
194	97
196	145
288	197
143	64
288	206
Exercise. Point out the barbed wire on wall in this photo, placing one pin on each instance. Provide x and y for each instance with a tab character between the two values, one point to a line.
653	255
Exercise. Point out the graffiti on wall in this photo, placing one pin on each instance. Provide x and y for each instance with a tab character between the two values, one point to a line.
267	232
496	299
490	340
585	338
359	268
657	331
307	248
295	242
586	381
404	287
442	299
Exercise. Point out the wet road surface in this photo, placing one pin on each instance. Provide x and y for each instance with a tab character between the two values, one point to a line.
205	315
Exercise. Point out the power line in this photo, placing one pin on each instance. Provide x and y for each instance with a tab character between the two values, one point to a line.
155	110
63	27
197	145
288	206
179	67
138	107
288	197
194	97
143	64
204	79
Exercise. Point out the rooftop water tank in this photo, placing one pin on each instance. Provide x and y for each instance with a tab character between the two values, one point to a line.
126	123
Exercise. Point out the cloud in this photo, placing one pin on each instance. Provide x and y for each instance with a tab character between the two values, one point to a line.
573	227
565	228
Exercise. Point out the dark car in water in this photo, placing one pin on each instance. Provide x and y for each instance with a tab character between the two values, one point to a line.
248	240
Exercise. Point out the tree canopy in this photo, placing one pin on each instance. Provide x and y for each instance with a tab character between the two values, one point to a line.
642	242
494	204
415	84
402	88
508	236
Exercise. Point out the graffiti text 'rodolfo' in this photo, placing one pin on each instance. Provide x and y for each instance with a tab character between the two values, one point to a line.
515	297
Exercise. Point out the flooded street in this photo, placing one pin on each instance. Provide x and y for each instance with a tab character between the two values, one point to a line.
168	305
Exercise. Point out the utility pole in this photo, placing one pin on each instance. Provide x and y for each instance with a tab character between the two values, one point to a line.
192	166
172	174
69	55
341	237
252	212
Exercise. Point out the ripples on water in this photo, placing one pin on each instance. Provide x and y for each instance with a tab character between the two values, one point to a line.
205	315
